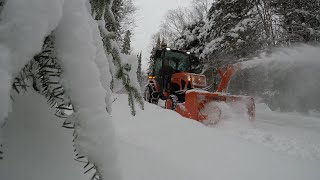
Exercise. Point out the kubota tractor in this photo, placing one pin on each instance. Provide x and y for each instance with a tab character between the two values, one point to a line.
174	79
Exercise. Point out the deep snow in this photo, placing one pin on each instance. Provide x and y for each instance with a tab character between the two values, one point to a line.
37	147
160	144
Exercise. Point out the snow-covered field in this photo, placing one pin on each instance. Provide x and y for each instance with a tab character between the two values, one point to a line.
160	144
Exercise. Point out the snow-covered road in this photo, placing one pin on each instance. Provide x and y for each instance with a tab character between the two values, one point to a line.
159	144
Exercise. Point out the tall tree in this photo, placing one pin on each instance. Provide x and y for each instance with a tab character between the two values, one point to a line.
231	33
60	53
156	45
126	47
189	39
139	70
300	19
124	15
121	71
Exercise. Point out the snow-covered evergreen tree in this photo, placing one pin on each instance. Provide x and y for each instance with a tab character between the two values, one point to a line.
190	39
59	41
139	70
300	19
126	45
231	33
123	11
121	70
156	44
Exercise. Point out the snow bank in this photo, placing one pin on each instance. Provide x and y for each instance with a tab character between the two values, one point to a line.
37	147
160	144
80	57
23	27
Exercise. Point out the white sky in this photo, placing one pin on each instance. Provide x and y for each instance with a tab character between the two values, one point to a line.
149	17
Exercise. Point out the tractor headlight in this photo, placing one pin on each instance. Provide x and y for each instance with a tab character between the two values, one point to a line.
198	81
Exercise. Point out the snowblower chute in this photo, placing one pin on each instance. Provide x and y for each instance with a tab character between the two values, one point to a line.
174	79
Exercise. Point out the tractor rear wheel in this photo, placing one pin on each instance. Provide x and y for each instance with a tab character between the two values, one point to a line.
171	102
150	95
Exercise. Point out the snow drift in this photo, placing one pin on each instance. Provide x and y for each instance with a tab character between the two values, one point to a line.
160	144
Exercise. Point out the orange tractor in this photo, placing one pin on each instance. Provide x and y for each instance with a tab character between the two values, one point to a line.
174	79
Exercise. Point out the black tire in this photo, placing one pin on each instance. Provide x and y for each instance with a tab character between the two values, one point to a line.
151	95
174	100
146	94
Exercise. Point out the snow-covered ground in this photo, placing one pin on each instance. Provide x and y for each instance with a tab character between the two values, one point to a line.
160	144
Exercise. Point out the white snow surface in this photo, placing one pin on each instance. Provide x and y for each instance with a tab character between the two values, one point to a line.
36	147
23	27
80	57
160	144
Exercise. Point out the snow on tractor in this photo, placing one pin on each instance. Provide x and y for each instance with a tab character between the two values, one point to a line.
174	79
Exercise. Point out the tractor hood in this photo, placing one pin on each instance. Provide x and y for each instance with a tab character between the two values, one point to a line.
189	80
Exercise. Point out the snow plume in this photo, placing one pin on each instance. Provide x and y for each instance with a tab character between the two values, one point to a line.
23	27
287	78
298	55
77	50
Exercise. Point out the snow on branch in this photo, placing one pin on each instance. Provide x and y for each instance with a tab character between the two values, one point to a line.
23	28
77	50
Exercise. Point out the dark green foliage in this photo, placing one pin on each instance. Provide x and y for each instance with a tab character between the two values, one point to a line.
300	19
139	73
194	44
116	10
44	73
156	46
126	45
122	70
98	6
234	29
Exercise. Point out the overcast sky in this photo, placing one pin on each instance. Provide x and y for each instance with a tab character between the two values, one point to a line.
149	17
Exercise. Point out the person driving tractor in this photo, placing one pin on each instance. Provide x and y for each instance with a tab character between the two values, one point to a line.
166	70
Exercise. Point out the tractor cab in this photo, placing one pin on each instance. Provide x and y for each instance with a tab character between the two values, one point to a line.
168	62
172	72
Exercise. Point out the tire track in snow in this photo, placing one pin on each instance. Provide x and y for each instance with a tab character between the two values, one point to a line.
292	134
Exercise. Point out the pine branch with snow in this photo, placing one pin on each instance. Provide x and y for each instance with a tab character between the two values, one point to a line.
121	70
59	56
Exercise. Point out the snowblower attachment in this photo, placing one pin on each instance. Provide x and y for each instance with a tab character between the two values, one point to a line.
206	107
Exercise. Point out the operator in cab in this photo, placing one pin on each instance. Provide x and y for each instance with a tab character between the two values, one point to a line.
167	71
